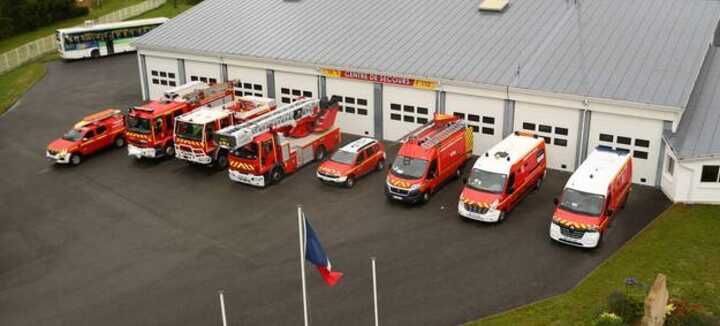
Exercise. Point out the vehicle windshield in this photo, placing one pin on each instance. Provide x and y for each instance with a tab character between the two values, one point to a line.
409	168
582	203
343	157
138	125
189	130
248	152
487	181
73	135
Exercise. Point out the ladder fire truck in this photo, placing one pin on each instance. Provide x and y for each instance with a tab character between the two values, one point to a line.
429	156
150	127
265	149
194	131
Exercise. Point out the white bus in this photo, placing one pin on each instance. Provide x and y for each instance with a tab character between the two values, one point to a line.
102	39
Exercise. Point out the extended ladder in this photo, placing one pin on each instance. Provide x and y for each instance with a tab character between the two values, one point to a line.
432	140
236	136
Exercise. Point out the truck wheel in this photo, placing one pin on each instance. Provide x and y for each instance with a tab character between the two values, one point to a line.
426	196
221	161
119	142
75	159
321	153
170	150
380	166
350	182
539	183
95	54
501	217
458	173
276	175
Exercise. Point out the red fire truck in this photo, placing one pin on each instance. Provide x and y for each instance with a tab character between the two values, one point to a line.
592	197
265	149
194	131
93	133
502	176
429	156
150	127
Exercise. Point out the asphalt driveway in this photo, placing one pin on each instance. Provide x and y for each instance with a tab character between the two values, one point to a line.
121	242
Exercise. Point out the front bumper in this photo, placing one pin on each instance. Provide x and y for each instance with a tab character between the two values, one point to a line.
142	151
192	156
61	158
589	239
403	195
491	215
325	178
246	178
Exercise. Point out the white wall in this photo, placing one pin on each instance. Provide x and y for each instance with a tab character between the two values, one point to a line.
483	114
561	149
406	109
356	100
684	184
253	81
162	74
290	86
203	71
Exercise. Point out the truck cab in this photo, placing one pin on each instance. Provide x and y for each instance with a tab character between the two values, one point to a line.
352	161
429	156
502	176
95	132
592	197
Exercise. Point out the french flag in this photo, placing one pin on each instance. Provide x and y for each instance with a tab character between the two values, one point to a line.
316	255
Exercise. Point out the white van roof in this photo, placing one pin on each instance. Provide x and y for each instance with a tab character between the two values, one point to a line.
504	154
356	145
598	170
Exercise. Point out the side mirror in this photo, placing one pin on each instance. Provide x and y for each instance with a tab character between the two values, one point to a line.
465	179
556	201
610	212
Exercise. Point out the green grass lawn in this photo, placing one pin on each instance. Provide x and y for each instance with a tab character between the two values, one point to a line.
683	243
16	82
20	39
167	10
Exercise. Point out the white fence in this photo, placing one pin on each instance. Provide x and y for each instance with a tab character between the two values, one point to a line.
29	51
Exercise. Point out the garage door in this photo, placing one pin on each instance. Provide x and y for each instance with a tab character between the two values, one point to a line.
484	115
249	81
405	109
639	136
289	86
202	71
356	114
162	73
558	126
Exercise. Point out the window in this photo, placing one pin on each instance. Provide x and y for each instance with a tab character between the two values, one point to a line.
475	128
307	94
101	129
394	107
560	142
640	155
623	140
171	75
154	73
163	82
422	110
247	85
296	92
163	78
362	101
488	120
670	166
409	108
349	109
163	74
213	81
642	142
473	117
193	78
422	121
156	81
349	100
204	79
561	131
409	118
285	91
710	173
488	131
528	126
257	87
394	116
459	115
172	83
362	111
544	128
285	100
606	137
89	134
547	139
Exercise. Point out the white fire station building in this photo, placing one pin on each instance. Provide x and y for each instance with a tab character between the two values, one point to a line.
639	75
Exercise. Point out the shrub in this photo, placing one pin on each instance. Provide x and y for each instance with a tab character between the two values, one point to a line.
686	314
608	319
627	307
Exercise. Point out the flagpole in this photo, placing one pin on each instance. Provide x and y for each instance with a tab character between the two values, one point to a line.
222	307
374	278
301	225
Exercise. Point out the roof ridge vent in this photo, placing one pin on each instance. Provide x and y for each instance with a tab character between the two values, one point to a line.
493	5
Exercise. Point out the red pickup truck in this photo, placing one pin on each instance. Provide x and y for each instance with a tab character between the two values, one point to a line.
93	133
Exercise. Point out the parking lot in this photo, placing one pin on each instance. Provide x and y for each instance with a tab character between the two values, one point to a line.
117	241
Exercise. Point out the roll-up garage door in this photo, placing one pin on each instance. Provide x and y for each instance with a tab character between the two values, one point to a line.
558	126
249	81
405	109
484	115
642	137
290	86
202	71
355	98
162	73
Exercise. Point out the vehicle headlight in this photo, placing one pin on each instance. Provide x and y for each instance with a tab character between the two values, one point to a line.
415	187
342	179
593	228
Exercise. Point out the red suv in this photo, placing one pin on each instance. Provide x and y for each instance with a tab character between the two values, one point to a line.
353	161
95	132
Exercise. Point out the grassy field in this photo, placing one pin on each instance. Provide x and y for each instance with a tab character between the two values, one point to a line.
166	10
682	243
20	39
16	82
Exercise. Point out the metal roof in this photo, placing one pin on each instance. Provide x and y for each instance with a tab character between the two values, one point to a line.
646	51
698	134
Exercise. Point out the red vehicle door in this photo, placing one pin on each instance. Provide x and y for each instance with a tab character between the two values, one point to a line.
104	138
432	175
362	163
88	142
